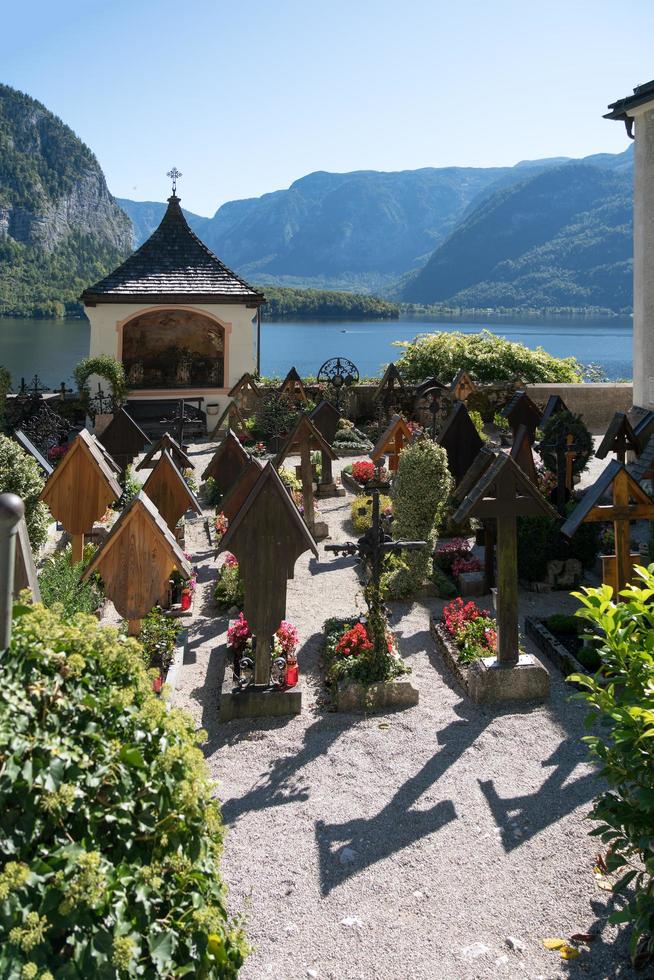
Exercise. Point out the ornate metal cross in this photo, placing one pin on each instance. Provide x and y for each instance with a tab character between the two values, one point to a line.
174	174
180	419
565	449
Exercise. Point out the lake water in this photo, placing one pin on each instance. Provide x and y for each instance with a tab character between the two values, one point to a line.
51	348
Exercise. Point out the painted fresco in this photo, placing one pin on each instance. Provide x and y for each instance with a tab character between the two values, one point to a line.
173	349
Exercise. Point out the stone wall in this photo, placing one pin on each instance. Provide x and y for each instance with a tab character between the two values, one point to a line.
596	402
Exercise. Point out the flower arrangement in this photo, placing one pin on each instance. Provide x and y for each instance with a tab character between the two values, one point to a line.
363	471
285	641
472	629
229	589
221	523
238	634
447	552
287	637
460	565
230	560
56	453
258	450
354	641
350	655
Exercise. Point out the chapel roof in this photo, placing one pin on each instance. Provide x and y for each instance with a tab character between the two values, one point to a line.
173	265
642	94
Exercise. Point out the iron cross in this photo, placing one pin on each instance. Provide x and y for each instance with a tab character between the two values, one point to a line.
174	174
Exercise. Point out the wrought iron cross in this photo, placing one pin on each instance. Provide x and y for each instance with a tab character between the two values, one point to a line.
565	449
103	404
174	174
63	391
180	419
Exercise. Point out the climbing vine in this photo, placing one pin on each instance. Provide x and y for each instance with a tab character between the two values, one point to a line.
108	368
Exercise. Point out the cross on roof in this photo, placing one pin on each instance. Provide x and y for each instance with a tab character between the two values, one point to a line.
174	174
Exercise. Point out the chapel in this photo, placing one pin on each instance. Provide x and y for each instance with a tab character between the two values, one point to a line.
181	322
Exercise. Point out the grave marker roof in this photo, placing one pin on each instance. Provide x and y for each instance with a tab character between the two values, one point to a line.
30	448
227	462
304	430
554	405
175	450
481	501
460	440
591	508
619	437
169	491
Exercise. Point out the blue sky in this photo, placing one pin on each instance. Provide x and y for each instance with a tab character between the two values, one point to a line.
246	97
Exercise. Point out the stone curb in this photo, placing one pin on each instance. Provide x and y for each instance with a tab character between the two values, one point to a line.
175	669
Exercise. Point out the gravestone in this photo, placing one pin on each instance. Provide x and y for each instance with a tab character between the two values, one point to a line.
246	394
227	463
79	491
521	452
169	491
521	410
619	438
325	417
136	561
232	419
391	442
302	440
629	503
166	442
123	439
267	536
460	440
503	494
293	388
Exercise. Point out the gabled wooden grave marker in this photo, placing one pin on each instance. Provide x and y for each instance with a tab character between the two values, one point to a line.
123	439
460	440
293	387
232	419
553	406
521	410
182	461
504	493
325	417
303	439
108	458
246	394
522	453
227	462
267	536
428	384
390	391
619	438
629	503
169	491
241	488
643	468
644	428
25	576
29	447
136	561
80	490
484	458
462	386
392	441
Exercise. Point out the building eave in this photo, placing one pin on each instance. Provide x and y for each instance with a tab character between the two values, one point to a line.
172	299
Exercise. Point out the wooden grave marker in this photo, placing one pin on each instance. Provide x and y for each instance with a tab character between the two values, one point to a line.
521	452
427	385
123	439
136	561
302	440
169	491
227	462
392	441
35	453
108	458
629	503
619	438
182	461
267	536
462	386
246	394
293	387
390	391
325	417
553	406
484	458
521	410
25	576
460	440
80	489
232	419
643	468
241	488
503	494
644	428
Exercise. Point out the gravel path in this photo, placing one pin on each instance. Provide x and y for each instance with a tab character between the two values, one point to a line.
443	841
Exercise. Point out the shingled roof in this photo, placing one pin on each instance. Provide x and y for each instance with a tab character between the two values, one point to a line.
173	265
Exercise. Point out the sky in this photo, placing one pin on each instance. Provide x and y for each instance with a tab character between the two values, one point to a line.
246	97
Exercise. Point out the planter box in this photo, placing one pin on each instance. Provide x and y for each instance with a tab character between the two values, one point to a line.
256	702
488	683
348	481
548	644
352	696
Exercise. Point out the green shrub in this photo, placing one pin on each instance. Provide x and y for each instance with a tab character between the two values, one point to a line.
444	584
20	473
361	511
106	367
485	356
622	712
212	494
109	834
478	422
60	586
540	541
501	423
289	479
131	487
360	668
275	416
559	623
420	491
229	590
157	636
351	442
566	422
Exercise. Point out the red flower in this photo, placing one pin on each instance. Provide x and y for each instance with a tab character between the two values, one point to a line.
354	641
363	471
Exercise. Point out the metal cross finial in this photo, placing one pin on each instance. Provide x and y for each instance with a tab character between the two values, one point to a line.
174	174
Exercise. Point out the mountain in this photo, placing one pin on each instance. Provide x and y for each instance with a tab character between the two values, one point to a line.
560	238
146	216
60	228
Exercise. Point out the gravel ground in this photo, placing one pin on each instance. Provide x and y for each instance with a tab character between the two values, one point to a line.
443	841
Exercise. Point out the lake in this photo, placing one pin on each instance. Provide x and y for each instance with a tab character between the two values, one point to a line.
51	348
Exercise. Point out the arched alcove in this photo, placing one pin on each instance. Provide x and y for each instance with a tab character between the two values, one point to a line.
173	349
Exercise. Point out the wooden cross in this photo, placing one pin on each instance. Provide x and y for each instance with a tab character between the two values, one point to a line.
124	439
462	386
136	561
227	463
303	439
435	396
629	503
232	419
267	536
619	438
80	489
503	494
246	394
460	440
521	410
392	442
390	391
169	491
180	419
521	452
565	450
293	387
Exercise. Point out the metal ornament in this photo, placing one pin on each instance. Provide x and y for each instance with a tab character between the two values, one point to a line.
278	672
339	372
243	672
174	175
180	419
